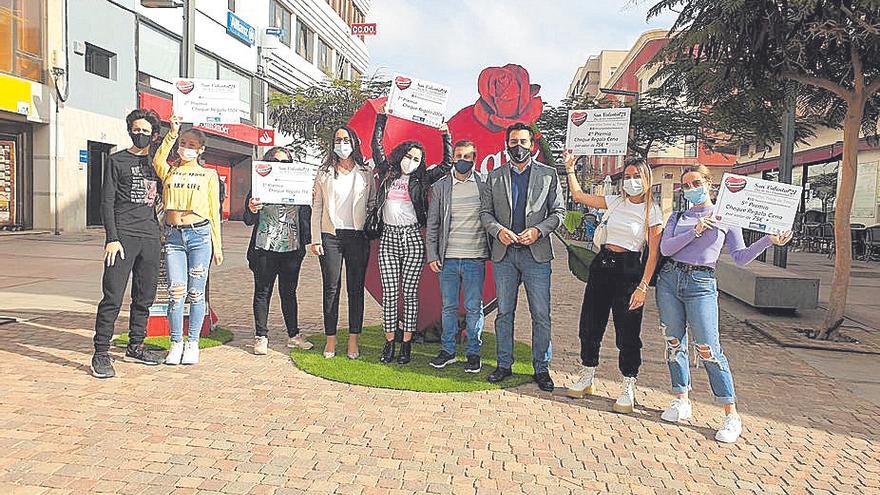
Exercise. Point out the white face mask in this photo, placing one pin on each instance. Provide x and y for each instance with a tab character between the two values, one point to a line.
633	187
408	165
187	154
342	150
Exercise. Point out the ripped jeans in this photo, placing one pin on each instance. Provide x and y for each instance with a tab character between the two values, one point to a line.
689	299
188	255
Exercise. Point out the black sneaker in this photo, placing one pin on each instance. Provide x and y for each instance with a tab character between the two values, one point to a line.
102	366
499	375
139	354
442	360
474	365
544	381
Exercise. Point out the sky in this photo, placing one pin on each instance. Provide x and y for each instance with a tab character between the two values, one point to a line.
450	41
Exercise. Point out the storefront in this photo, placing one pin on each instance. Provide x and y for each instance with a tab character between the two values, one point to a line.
229	150
16	154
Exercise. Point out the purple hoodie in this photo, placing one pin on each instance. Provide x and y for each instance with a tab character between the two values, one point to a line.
682	245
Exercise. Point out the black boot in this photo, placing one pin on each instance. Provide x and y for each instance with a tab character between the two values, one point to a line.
387	352
405	352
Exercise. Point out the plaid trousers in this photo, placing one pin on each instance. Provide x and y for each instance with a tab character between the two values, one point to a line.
401	259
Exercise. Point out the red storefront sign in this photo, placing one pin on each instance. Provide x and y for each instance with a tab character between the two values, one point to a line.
238	132
364	29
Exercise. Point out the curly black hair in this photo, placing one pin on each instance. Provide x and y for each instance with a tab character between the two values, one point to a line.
331	159
397	154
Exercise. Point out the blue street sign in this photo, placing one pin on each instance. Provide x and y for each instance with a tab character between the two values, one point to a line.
237	28
275	31
84	156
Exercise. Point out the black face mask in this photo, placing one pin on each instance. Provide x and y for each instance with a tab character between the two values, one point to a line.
519	154
140	140
464	166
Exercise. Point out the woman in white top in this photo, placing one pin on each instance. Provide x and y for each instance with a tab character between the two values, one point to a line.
343	188
618	281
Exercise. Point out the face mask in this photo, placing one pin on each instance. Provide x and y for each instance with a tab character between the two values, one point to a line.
464	166
187	154
519	154
408	165
633	187
697	196
342	150
140	140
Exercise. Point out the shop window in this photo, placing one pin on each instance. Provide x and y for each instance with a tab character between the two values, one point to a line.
100	62
158	54
205	66
21	38
244	87
305	41
281	17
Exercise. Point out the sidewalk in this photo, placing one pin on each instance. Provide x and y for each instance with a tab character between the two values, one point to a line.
244	424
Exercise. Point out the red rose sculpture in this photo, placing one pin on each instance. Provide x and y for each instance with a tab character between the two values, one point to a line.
506	97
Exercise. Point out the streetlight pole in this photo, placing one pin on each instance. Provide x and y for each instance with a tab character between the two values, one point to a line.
786	158
188	47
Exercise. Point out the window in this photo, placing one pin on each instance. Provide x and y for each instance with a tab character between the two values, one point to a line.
343	68
305	41
325	57
744	149
356	75
281	17
21	38
690	146
206	67
158	54
231	5
244	87
100	62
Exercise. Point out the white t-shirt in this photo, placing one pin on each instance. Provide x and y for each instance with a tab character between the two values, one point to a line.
626	225
346	187
399	209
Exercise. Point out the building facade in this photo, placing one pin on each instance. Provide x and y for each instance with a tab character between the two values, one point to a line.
70	71
595	73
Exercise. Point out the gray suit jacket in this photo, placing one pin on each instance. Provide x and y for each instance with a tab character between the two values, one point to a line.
439	215
545	208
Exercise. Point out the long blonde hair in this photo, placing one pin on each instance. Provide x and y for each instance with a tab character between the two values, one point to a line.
647	182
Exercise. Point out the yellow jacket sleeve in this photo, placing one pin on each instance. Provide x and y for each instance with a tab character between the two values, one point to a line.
160	160
214	211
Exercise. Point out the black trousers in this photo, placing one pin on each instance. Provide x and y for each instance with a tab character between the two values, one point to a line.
613	279
351	247
141	261
268	266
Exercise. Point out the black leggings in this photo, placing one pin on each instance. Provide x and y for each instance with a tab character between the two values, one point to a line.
351	247
613	279
267	266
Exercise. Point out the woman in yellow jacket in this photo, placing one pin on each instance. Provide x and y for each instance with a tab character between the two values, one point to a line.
192	235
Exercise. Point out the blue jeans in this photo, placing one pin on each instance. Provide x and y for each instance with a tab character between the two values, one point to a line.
519	267
689	299
467	276
187	259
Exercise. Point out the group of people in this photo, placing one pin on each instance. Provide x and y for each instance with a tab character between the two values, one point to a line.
506	217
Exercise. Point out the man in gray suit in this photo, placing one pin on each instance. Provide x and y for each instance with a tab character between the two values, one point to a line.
522	206
457	249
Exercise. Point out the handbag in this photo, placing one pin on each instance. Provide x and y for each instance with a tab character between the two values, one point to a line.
373	223
600	235
579	259
663	259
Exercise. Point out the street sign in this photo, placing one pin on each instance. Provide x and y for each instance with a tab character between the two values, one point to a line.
84	156
364	29
603	131
241	30
275	31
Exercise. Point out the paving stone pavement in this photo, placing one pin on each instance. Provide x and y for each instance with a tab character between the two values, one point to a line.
239	423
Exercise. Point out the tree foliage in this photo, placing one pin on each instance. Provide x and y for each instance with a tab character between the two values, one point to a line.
311	114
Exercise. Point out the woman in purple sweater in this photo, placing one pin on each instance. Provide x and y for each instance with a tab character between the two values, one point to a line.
687	297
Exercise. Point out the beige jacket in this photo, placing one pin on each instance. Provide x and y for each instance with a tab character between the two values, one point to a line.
324	204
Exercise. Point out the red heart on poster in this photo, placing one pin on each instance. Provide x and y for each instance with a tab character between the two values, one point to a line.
578	118
185	87
263	168
402	82
735	184
718	217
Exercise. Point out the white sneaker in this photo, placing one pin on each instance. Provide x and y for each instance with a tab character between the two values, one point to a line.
584	385
174	354
190	353
261	346
730	430
678	410
627	399
298	342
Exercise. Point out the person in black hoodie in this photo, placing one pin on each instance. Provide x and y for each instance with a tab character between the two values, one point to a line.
276	250
402	201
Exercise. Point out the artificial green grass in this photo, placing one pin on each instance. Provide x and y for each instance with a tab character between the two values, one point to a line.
218	336
418	375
